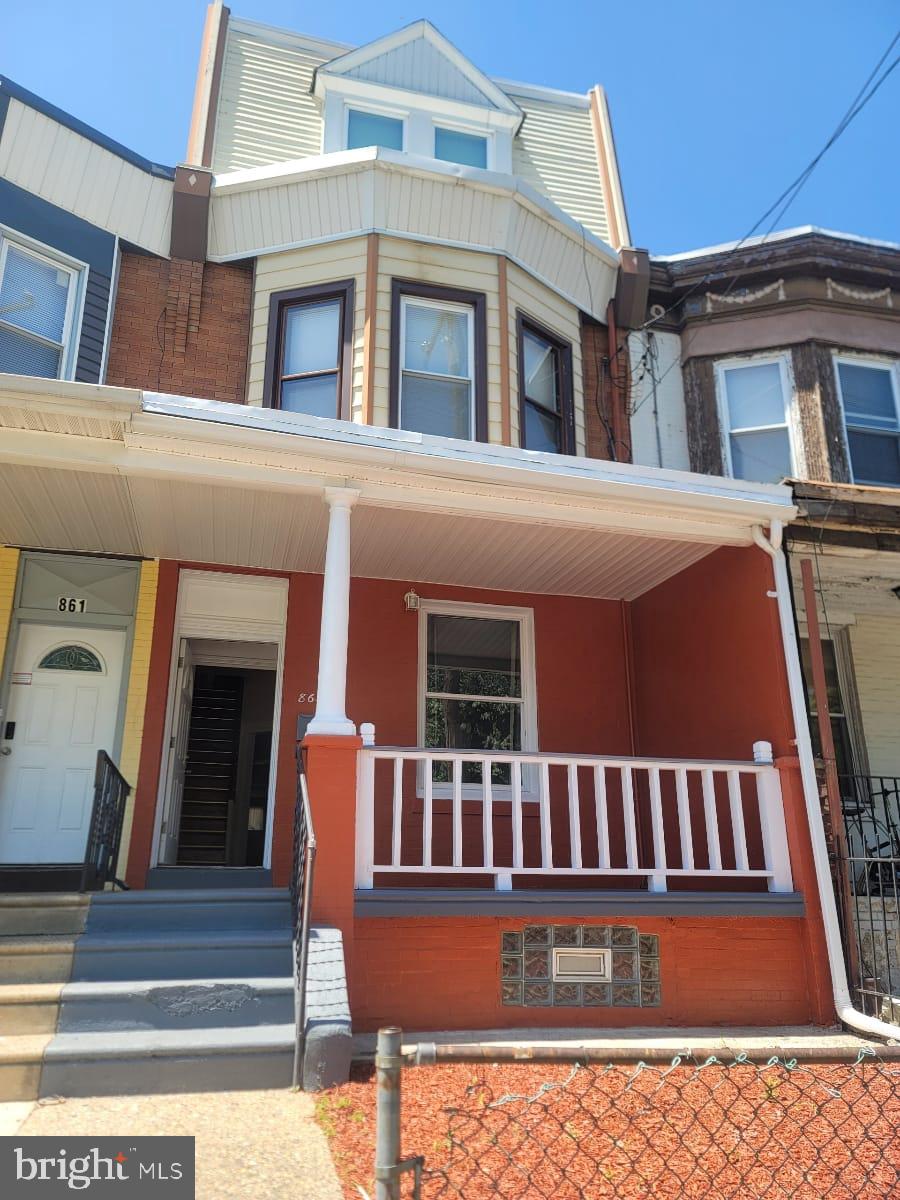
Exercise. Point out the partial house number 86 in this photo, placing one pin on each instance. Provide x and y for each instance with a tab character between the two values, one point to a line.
71	604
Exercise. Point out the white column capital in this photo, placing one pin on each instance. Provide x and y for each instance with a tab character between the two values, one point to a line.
341	497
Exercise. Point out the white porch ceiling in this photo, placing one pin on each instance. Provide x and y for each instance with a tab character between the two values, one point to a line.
161	518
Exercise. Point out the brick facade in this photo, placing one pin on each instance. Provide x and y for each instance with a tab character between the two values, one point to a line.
181	327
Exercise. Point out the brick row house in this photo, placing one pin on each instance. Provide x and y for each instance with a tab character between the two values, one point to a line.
780	360
352	478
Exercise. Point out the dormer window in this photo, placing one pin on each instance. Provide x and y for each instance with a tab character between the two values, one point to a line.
373	129
452	145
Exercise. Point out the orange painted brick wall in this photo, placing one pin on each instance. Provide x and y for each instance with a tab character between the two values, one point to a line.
445	972
181	327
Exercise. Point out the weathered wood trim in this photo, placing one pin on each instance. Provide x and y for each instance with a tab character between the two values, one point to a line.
369	325
821	419
702	417
506	398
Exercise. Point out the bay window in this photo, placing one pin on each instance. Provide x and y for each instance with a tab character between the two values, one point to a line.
868	392
438	372
754	407
308	360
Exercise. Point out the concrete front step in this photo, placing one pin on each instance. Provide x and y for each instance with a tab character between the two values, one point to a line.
42	914
25	959
190	1060
176	1004
165	956
29	1008
186	910
21	1058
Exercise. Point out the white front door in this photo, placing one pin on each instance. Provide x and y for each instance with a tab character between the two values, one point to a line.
62	708
178	748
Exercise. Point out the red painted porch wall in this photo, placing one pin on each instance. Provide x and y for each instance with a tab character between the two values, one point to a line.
429	973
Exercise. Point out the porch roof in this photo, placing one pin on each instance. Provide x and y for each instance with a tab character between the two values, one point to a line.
119	471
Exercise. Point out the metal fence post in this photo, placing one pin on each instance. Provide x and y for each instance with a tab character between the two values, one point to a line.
388	1067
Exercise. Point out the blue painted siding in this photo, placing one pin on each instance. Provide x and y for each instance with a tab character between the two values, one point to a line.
24	213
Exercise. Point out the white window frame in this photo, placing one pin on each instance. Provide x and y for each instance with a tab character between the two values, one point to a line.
77	272
791	409
374	110
441	306
492	612
881	362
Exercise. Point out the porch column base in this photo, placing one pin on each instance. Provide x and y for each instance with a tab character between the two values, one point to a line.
331	727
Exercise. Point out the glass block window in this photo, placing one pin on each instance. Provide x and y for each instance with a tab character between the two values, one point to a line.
468	149
36	302
373	129
437	367
70	658
872	418
527	977
754	405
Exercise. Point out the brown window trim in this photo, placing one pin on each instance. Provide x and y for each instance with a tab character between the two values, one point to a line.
566	388
342	290
428	291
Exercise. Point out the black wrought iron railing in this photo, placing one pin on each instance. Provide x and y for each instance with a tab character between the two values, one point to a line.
301	903
111	791
869	860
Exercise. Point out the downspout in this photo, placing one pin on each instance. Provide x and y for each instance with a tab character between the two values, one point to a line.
843	1003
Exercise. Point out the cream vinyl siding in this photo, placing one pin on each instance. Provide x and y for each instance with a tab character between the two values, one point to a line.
304	268
875	645
265	112
399	259
555	152
419	66
50	160
534	300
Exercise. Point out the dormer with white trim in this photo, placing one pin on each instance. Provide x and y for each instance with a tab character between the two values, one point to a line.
413	91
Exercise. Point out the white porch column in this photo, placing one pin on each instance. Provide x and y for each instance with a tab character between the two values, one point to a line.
331	692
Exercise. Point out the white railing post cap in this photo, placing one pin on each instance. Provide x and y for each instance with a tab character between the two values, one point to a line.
762	752
367	733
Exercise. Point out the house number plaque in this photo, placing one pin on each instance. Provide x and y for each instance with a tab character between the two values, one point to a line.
71	604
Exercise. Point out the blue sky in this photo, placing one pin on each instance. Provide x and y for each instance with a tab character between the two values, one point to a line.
716	104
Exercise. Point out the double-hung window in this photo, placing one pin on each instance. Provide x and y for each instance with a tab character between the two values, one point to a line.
545	390
477	682
438	375
308	363
754	404
872	417
37	312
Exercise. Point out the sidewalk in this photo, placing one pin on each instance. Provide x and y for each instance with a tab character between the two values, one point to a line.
261	1144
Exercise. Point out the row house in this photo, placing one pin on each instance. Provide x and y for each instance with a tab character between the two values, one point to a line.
352	485
779	359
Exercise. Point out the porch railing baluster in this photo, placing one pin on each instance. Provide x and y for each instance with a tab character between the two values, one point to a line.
602	817
517	833
712	821
658	878
737	820
631	854
427	814
457	813
487	814
396	832
574	815
546	831
683	798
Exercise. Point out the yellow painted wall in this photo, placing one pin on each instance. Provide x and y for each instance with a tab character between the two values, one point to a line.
136	700
9	569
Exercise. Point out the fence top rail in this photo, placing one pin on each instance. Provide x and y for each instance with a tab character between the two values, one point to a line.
423	754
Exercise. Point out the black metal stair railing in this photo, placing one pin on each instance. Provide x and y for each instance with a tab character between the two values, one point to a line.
304	860
111	792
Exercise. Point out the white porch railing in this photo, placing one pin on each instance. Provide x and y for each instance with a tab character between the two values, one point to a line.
562	815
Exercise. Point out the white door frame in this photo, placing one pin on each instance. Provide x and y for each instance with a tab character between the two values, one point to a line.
232	629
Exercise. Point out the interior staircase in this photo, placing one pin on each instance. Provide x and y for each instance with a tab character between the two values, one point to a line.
150	991
209	781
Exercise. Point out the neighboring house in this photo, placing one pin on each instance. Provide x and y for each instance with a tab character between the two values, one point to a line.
780	360
362	427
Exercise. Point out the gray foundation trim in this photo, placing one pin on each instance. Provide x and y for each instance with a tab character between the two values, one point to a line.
482	902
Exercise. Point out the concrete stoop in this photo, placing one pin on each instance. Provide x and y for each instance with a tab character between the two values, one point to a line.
166	991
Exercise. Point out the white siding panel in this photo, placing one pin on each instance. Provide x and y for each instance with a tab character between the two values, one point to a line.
266	113
875	643
419	66
68	170
658	422
555	152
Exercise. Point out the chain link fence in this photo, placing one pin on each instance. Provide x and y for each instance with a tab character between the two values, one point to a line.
782	1130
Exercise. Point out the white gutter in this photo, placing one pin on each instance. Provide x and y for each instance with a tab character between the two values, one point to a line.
840	988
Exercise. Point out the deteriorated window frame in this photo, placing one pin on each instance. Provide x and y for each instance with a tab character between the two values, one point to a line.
477	301
563	350
279	303
792	424
880	362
